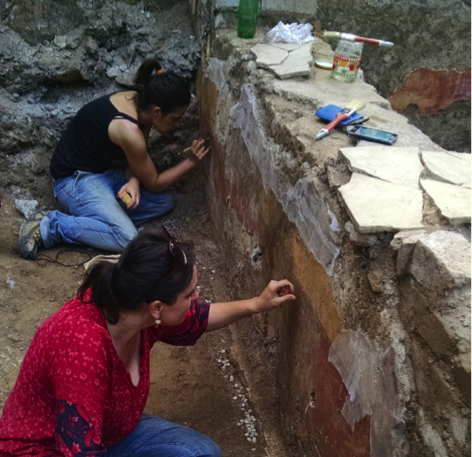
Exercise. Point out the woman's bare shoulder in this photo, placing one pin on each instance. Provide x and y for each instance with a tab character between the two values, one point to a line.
124	102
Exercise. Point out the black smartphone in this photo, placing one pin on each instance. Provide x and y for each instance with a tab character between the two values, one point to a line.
370	134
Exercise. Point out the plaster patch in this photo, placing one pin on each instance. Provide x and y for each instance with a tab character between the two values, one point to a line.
459	428
370	376
302	203
431	436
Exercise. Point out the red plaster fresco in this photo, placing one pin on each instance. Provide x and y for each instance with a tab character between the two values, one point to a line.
325	420
431	90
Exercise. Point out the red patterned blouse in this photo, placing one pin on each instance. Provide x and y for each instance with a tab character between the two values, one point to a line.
73	395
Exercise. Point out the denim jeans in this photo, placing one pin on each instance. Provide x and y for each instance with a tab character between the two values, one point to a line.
156	437
97	217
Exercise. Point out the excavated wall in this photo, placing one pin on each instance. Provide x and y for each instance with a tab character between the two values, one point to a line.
371	361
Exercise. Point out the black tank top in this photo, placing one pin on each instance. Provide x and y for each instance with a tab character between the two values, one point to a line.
86	145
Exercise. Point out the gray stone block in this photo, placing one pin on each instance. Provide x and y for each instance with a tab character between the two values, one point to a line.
441	260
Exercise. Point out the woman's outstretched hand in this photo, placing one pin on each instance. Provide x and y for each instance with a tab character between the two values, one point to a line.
223	314
198	151
276	293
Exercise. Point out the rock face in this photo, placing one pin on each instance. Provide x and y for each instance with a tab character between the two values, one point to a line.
56	56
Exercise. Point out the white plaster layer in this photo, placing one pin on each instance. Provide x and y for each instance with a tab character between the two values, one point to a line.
378	206
302	203
451	167
367	374
400	166
453	201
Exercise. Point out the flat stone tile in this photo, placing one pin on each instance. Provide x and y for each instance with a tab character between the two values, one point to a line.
452	167
298	63
378	206
400	166
453	201
268	55
286	46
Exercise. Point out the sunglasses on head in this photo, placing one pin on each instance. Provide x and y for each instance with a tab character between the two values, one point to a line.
175	248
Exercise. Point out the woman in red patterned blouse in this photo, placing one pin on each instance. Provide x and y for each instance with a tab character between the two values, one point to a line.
85	379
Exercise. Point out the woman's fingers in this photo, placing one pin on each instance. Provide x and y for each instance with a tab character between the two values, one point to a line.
284	287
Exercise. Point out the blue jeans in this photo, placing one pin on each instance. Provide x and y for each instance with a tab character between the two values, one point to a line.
97	217
156	437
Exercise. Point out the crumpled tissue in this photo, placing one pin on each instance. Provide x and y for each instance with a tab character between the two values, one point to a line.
291	33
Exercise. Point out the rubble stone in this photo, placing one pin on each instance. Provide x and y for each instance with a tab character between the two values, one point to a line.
441	260
453	201
405	253
378	206
357	238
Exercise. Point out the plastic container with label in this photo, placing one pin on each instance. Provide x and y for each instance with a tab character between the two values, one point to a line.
347	60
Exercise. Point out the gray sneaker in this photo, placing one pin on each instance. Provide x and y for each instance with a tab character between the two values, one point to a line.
30	236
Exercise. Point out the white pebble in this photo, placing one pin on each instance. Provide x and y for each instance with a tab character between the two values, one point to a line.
231	378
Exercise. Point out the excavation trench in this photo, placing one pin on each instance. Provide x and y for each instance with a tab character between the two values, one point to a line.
371	360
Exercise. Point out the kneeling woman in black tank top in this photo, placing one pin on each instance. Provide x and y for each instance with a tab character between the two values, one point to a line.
112	127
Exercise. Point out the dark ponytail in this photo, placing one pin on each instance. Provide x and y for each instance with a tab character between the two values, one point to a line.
147	271
165	89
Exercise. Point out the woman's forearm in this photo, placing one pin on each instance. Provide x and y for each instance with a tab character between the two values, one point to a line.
275	294
170	176
223	314
129	174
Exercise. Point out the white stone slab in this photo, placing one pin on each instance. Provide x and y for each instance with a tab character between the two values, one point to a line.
378	206
451	167
400	166
286	46
297	63
268	55
453	201
441	260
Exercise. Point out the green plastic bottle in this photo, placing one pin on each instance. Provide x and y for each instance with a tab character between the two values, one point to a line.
248	10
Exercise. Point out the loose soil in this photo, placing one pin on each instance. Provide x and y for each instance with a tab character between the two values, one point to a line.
189	385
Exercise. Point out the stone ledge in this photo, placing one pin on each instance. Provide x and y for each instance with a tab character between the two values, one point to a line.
441	260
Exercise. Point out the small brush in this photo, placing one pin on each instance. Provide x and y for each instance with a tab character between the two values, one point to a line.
353	106
358	39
